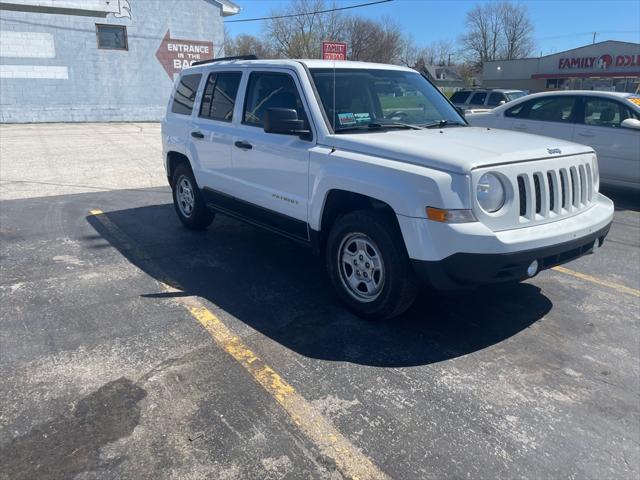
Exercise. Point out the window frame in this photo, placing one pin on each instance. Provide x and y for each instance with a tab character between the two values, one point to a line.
292	76
126	37
210	73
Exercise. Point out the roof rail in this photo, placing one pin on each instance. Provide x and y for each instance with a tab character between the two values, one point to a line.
221	59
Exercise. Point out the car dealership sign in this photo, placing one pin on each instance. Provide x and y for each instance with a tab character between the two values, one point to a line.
334	51
603	62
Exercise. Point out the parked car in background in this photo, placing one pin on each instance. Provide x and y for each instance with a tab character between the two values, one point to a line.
609	122
481	99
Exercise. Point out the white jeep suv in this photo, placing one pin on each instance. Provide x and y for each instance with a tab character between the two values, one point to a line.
373	167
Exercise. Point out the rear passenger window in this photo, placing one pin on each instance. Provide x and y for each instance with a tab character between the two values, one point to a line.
270	90
185	94
551	109
478	98
459	97
495	99
220	96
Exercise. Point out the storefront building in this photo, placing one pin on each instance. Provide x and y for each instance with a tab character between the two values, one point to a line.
101	60
610	65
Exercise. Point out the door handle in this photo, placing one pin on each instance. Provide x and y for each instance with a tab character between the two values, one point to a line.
243	145
586	134
197	134
520	126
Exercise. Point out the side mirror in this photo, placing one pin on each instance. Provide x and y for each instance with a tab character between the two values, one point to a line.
632	123
284	121
460	110
502	102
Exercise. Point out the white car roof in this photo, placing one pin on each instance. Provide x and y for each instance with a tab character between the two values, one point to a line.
555	93
310	63
582	92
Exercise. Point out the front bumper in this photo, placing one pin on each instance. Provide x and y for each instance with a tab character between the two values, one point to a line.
464	270
452	256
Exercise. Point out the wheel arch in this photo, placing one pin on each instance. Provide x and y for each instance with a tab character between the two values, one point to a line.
173	160
338	202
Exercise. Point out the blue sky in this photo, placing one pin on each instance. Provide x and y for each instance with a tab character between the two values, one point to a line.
558	25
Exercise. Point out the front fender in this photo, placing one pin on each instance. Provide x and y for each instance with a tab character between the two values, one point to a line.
406	188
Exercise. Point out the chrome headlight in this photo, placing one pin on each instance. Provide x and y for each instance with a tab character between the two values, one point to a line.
490	193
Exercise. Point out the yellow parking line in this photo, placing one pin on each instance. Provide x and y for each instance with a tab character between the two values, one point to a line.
604	283
351	462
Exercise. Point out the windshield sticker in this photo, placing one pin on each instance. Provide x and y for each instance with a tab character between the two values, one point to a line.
635	100
362	118
346	119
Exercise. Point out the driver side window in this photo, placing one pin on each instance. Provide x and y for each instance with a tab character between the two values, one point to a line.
601	112
270	90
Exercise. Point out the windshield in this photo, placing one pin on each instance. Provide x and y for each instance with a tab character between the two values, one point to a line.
513	95
380	98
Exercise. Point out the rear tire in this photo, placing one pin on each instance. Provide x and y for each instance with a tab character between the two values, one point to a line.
188	201
368	265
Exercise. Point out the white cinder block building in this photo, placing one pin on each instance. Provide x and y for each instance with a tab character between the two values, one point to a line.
101	60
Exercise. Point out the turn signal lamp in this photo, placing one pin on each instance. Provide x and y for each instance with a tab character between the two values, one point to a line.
450	216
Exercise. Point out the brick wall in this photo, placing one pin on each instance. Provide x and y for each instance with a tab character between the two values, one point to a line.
51	69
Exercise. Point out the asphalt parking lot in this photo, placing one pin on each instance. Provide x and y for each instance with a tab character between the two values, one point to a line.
133	348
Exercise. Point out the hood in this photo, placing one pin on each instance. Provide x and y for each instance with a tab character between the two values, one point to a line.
456	149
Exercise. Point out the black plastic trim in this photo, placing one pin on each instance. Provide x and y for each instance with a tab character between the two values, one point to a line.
466	270
256	215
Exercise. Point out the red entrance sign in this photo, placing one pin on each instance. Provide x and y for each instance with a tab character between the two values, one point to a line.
174	54
334	51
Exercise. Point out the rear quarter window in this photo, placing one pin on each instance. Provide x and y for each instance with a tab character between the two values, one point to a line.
495	98
459	97
478	98
185	95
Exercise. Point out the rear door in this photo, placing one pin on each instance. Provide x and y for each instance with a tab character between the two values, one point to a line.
270	170
552	116
212	129
618	148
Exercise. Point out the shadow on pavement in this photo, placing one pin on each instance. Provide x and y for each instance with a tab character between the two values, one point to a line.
623	198
280	289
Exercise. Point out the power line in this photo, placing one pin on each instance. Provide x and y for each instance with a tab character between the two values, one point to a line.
308	13
587	33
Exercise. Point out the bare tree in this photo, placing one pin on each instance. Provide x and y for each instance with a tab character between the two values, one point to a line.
517	30
496	31
443	51
371	41
301	36
360	35
245	44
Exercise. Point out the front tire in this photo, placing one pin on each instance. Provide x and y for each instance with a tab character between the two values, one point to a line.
188	201
368	265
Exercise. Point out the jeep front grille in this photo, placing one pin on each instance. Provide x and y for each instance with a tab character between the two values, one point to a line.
542	191
537	191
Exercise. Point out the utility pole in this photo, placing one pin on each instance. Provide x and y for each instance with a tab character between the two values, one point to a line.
594	37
